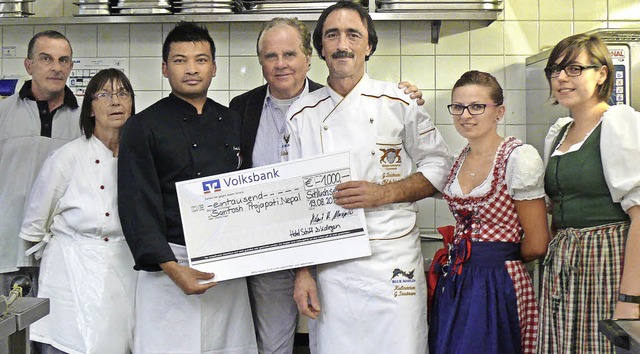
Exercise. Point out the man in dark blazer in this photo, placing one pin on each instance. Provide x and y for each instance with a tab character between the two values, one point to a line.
284	52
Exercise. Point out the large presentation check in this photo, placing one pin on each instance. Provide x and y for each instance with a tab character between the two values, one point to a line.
270	218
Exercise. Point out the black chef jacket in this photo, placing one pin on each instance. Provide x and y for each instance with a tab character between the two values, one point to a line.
164	144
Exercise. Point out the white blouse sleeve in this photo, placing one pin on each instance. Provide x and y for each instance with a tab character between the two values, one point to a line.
552	134
620	153
525	174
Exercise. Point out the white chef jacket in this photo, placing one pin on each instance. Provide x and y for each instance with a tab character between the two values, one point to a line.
87	268
374	304
22	152
388	135
619	148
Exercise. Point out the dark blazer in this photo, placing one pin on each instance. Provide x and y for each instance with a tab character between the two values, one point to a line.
249	105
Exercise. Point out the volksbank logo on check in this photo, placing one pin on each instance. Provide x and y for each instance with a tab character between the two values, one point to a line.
215	185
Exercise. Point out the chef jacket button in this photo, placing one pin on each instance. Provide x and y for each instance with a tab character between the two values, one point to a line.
198	173
97	161
326	127
101	187
226	145
194	146
373	152
184	119
219	118
107	214
106	239
370	120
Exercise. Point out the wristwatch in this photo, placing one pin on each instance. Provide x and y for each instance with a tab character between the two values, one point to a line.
635	299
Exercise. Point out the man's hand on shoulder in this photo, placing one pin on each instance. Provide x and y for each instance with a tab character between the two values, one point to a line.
413	91
187	279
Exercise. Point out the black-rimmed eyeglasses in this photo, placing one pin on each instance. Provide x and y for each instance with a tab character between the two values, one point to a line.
571	70
474	109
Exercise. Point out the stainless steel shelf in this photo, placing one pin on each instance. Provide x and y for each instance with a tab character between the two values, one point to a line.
116	19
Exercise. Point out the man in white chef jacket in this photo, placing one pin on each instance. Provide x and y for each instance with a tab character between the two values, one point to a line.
42	116
375	304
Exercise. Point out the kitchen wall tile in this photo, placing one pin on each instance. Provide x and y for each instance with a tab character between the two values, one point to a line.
586	26
384	68
60	28
221	97
520	10
589	10
220	34
245	73
49	8
515	74
449	69
84	39
515	102
519	131
443	214
426	214
113	40
318	71
415	38
521	37
486	39
146	40
454	140
441	114
145	74
221	80
552	32
622	24
454	38
555	10
624	10
243	38
429	97
419	70
145	99
233	94
494	65
388	38
14	66
17	36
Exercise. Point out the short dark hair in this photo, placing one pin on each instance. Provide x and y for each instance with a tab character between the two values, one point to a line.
345	5
303	31
48	34
187	32
87	119
480	78
571	47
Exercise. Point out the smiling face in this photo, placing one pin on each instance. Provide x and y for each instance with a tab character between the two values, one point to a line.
476	126
345	44
112	110
49	67
190	68
578	90
284	65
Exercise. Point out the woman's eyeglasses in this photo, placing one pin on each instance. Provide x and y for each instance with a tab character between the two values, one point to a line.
571	70
474	109
108	96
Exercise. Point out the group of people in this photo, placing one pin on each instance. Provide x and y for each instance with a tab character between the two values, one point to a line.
103	204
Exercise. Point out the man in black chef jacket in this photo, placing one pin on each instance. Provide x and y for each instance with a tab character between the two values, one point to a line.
180	137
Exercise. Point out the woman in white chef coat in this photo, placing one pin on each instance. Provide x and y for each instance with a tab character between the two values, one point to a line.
86	269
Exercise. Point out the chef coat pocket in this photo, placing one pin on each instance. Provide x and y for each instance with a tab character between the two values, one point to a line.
390	153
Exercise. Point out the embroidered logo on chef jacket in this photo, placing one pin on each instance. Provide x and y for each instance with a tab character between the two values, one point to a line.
403	282
213	185
390	162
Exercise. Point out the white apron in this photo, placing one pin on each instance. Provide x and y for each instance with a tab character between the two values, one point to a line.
218	321
375	304
90	283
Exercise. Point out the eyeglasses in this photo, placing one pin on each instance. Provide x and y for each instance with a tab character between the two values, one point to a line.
572	70
105	96
474	109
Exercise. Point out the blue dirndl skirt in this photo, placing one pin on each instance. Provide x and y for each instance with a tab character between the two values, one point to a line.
476	310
